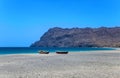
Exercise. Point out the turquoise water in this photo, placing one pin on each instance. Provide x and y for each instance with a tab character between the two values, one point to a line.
25	50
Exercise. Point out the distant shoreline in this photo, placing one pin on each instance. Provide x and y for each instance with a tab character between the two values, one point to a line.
70	52
24	50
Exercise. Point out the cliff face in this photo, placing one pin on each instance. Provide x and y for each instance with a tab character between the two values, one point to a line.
80	37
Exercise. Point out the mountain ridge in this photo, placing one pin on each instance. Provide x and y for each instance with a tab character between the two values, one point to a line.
80	37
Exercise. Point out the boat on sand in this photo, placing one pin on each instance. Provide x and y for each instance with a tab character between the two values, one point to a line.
61	52
43	52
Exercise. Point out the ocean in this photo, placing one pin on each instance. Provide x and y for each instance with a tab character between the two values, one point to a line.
29	50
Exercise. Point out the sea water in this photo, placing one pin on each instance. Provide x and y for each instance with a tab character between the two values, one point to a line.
29	50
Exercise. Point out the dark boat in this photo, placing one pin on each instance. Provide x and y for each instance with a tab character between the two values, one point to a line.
62	52
43	52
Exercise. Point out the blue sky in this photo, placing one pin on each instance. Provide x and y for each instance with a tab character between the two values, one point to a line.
24	21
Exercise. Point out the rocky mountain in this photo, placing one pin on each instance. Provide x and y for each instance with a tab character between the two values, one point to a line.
80	37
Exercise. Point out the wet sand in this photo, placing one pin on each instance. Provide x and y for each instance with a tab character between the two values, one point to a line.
97	64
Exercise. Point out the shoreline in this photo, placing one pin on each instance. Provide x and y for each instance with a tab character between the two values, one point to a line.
113	49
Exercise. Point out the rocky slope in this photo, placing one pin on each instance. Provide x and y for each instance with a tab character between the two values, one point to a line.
80	37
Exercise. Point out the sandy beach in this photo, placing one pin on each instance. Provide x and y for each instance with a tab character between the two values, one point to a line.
97	64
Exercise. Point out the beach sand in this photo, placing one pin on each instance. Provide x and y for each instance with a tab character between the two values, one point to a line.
97	64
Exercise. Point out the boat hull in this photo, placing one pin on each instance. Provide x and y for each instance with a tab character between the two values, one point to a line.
43	52
61	52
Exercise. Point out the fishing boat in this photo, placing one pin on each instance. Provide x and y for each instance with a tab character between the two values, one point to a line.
43	52
61	52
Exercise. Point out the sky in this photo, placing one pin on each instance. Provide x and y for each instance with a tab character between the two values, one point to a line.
23	22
